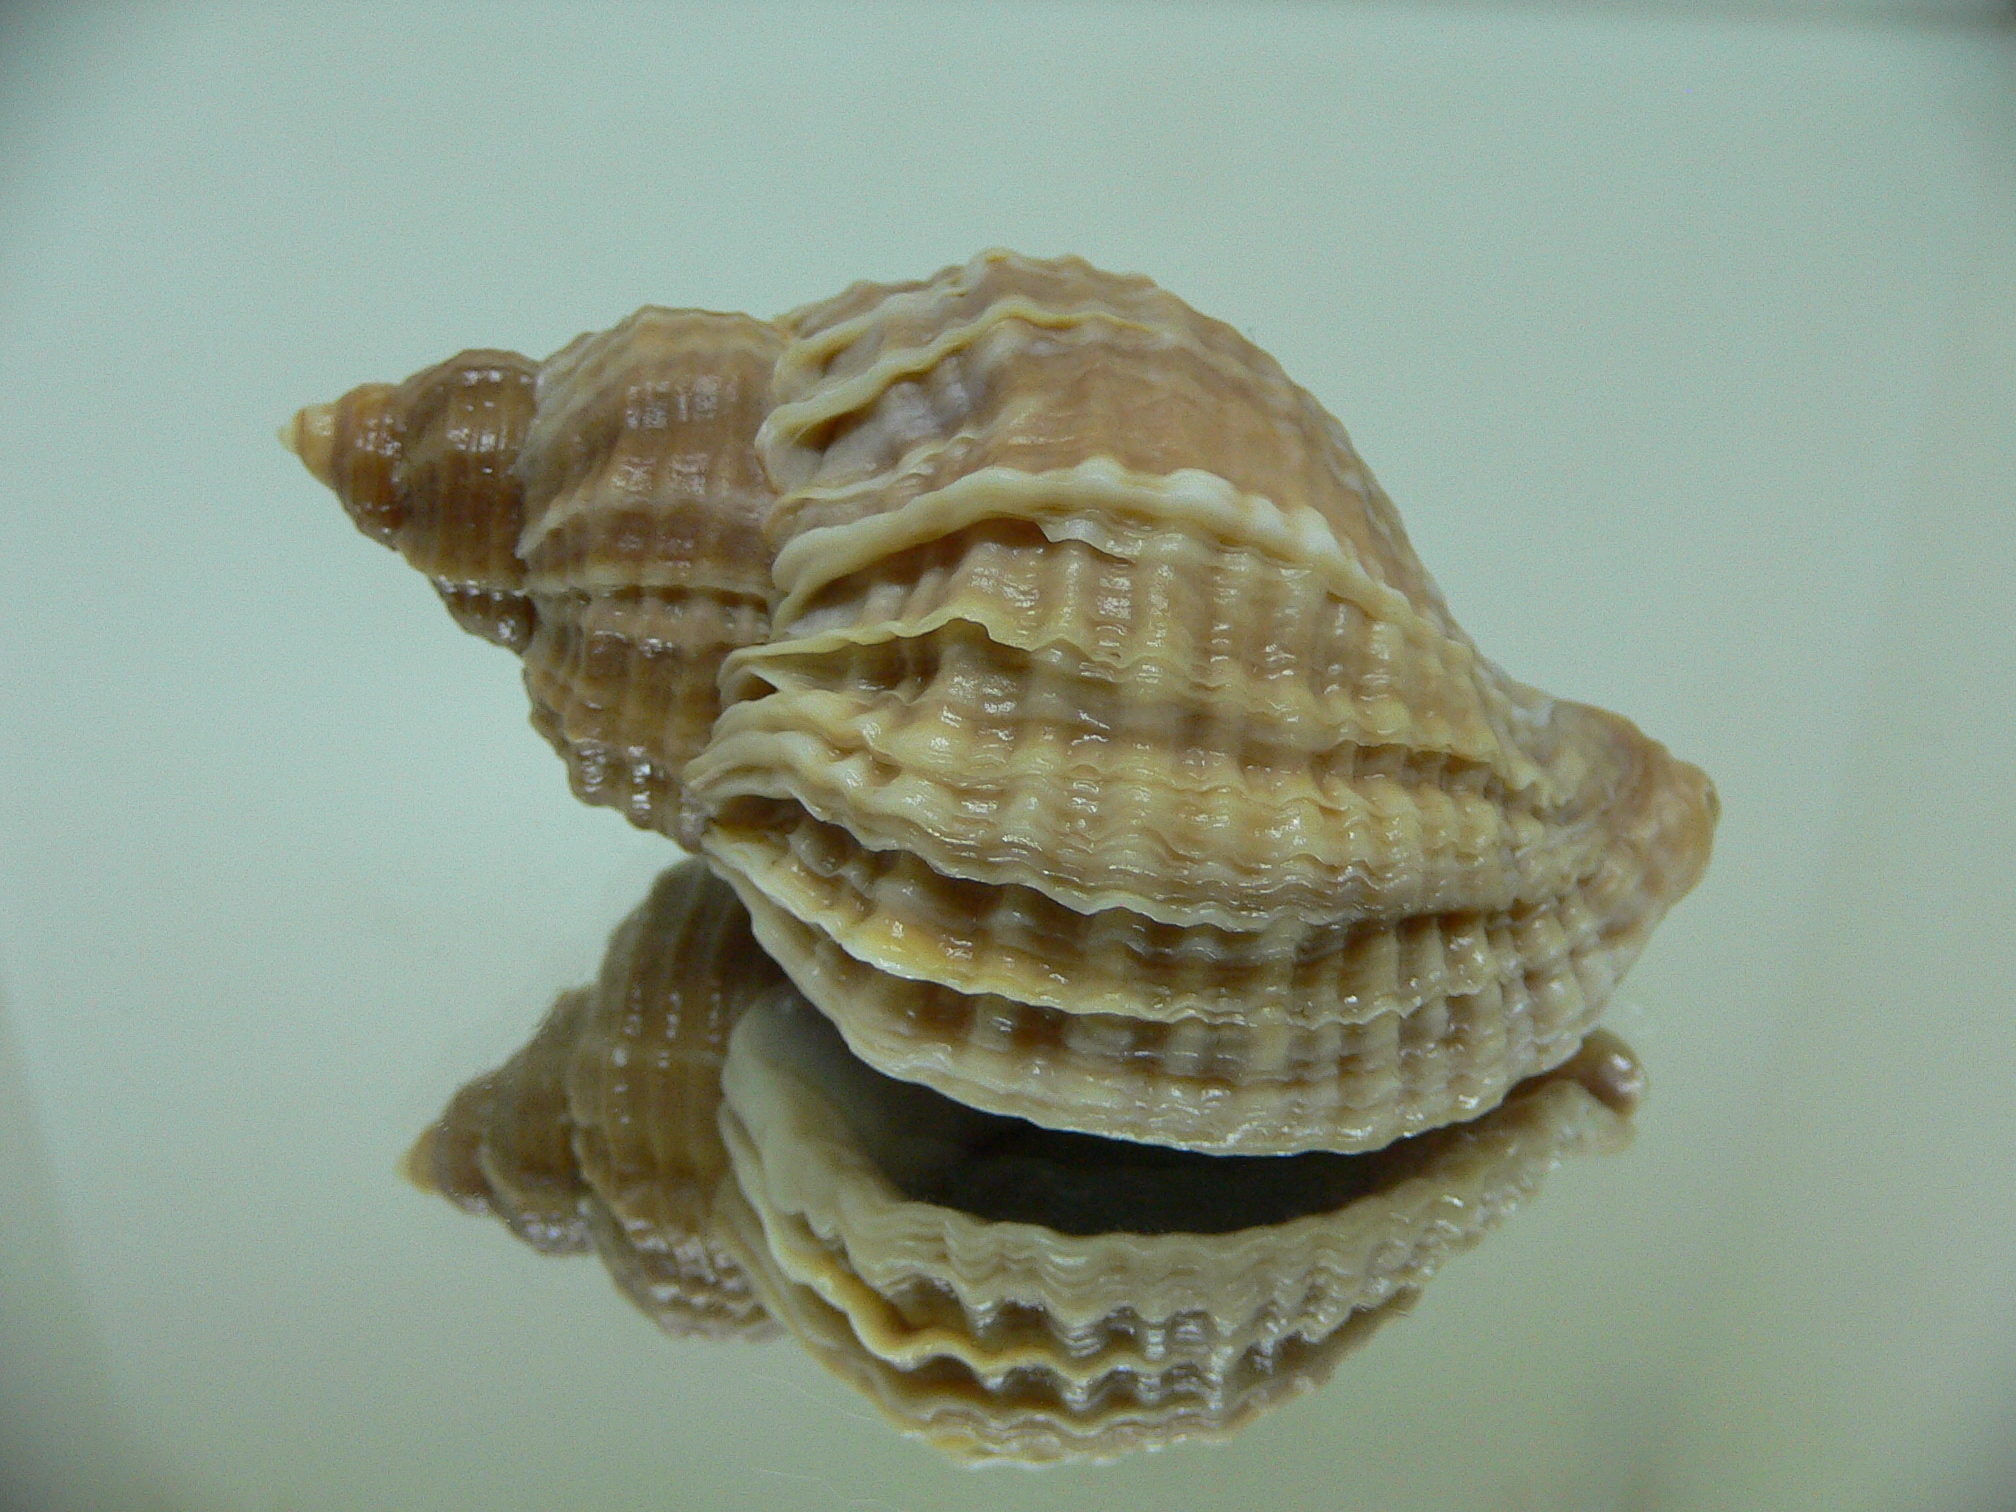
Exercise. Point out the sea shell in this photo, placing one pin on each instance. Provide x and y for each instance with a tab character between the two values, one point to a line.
1094	748
601	1132
1003	1291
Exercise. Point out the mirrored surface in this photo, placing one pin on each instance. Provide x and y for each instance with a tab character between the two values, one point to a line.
1686	349
1007	1293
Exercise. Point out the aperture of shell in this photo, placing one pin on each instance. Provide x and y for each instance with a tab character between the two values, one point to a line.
1060	696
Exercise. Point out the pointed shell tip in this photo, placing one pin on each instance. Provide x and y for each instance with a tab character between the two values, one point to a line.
311	436
417	1164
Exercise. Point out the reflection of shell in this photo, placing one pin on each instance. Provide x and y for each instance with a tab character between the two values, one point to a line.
1112	1297
505	1144
602	1131
1038	1418
1093	748
1005	1291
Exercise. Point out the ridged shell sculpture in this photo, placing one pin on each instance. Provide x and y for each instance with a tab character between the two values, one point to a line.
1093	747
1004	1291
1058	692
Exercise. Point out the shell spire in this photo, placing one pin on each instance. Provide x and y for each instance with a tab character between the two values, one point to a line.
601	1132
425	467
599	513
311	436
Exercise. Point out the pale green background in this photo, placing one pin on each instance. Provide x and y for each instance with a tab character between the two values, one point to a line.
1688	348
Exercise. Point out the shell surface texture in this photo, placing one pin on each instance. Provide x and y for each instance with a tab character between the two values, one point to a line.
1060	696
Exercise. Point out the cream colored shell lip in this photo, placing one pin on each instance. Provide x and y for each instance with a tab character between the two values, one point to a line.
1228	1088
